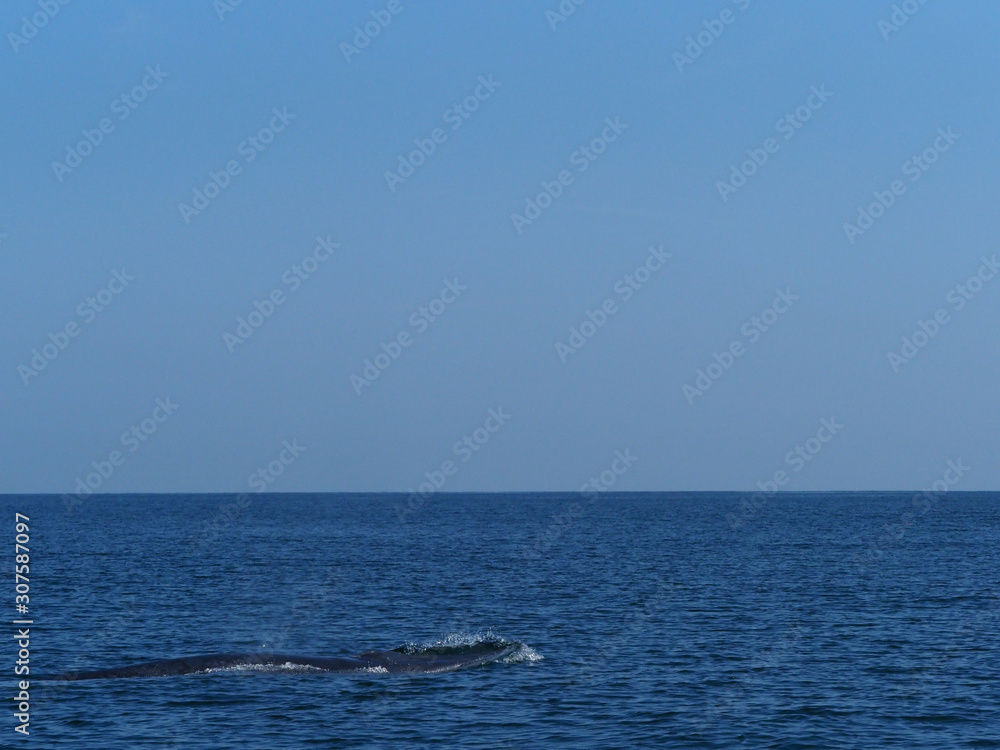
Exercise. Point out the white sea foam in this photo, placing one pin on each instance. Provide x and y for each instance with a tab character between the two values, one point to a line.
286	667
523	652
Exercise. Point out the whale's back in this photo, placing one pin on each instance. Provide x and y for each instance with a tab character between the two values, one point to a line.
404	659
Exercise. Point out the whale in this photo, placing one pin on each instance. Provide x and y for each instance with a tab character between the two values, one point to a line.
398	661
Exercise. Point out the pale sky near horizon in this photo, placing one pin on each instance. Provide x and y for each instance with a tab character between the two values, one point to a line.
645	136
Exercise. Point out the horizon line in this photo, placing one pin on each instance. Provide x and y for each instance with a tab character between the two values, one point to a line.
769	493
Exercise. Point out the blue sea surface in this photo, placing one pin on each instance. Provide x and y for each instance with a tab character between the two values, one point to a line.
862	620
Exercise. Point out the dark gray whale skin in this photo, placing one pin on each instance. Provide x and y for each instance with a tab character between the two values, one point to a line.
391	661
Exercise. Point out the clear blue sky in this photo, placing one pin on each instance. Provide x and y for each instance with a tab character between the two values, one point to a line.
869	99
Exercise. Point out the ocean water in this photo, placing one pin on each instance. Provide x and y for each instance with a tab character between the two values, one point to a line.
640	620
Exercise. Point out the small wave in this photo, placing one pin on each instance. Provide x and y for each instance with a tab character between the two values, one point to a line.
473	643
523	654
